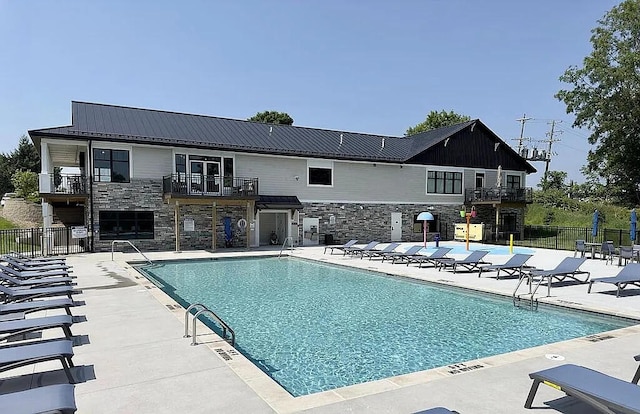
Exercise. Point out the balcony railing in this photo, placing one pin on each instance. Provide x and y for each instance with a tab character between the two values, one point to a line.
68	184
498	195
209	185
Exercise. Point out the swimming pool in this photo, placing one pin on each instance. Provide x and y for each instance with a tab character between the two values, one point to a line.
314	327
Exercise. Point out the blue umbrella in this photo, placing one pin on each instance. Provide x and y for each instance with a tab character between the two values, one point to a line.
594	228
634	219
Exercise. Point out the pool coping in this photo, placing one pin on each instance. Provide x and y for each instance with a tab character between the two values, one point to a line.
282	402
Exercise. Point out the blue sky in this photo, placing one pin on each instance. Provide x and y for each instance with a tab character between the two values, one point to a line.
367	66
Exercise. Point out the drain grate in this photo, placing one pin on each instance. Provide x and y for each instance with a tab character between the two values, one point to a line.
171	307
223	354
446	281
460	368
598	338
149	287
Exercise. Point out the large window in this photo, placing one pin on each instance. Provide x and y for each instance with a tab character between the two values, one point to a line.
513	181
110	165
320	172
444	182
126	225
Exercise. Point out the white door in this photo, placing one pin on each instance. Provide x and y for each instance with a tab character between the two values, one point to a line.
396	226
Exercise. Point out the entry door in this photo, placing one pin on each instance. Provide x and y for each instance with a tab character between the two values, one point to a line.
213	177
396	226
197	176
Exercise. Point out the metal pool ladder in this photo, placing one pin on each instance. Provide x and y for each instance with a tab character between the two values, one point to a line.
132	245
528	297
203	310
288	239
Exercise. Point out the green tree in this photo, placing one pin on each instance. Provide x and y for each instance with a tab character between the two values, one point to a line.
555	180
435	120
605	98
25	157
272	117
26	184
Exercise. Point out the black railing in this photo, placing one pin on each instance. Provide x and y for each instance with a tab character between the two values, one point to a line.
69	184
498	195
209	185
41	242
564	238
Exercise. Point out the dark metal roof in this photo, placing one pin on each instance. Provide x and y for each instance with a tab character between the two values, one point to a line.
136	125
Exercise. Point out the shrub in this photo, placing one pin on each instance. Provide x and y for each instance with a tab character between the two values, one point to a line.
26	185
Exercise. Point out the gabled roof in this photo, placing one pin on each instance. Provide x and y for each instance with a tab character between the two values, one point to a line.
136	125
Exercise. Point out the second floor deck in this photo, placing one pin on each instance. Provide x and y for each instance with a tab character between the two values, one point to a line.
199	185
498	195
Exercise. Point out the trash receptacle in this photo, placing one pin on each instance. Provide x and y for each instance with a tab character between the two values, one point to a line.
328	239
436	238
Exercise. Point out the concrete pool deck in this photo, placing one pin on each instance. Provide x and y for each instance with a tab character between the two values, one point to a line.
142	363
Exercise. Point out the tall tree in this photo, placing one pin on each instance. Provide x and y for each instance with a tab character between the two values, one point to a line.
437	119
605	98
23	158
272	117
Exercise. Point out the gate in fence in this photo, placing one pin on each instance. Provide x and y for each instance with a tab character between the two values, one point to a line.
44	242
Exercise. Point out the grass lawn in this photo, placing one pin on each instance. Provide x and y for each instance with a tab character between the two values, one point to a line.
6	224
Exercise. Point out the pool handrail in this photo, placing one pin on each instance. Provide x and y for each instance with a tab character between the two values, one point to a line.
204	310
289	238
113	242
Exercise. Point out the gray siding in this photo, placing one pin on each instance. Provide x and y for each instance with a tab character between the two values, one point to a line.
151	162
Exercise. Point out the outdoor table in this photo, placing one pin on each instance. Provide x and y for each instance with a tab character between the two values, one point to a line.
593	247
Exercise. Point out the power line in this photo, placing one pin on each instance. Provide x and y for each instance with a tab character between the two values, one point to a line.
551	140
522	121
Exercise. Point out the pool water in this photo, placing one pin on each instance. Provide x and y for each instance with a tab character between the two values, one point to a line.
314	327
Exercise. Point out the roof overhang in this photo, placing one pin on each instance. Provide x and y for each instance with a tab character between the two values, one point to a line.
269	202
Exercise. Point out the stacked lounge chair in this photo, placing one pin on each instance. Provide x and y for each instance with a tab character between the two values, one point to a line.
21	289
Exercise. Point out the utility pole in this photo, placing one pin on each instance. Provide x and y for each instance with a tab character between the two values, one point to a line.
547	160
522	122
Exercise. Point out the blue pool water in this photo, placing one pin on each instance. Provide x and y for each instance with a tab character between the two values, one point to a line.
314	327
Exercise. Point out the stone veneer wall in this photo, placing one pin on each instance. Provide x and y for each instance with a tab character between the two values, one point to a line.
147	195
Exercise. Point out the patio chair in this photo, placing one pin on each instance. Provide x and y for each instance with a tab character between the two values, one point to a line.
568	267
16	356
379	253
604	393
511	267
39	259
16	294
440	253
56	398
344	246
32	273
471	262
580	248
607	251
18	265
628	275
396	255
625	253
36	281
355	250
20	327
38	305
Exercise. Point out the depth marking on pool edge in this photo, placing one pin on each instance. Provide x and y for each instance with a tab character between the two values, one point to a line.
460	368
224	355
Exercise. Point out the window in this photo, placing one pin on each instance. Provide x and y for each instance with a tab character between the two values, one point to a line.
479	180
181	163
444	182
110	165
126	225
228	171
320	172
513	181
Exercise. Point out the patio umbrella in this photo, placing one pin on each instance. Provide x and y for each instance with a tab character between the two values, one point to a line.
424	216
499	177
634	220
594	228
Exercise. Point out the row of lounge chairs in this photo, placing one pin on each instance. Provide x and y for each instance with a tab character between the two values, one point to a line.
30	286
516	266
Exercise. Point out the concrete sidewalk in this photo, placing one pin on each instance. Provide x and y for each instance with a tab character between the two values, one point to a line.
143	364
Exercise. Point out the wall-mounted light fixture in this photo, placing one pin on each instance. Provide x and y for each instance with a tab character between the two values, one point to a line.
297	177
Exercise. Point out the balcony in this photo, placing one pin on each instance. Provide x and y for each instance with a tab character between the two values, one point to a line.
498	195
66	186
199	185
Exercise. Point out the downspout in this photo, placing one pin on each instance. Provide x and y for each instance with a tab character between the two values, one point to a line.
90	183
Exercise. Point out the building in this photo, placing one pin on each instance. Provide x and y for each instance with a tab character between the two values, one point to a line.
168	180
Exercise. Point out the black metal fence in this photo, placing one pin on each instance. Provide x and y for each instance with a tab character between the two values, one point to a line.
564	238
42	242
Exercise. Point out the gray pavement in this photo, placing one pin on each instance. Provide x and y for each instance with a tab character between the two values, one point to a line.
142	363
